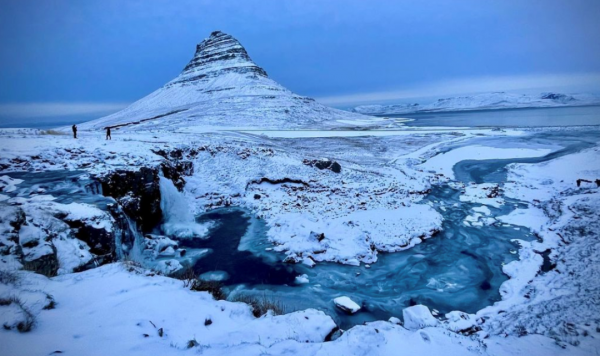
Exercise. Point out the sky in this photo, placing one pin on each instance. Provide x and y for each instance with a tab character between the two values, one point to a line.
90	58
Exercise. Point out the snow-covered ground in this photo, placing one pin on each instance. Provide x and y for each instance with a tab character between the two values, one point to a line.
371	205
484	101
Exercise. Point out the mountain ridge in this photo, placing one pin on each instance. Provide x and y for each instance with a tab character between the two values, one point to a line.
483	101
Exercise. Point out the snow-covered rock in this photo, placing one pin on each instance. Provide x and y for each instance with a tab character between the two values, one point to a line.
417	317
53	238
346	304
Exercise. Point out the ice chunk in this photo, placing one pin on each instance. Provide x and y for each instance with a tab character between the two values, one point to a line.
417	317
301	279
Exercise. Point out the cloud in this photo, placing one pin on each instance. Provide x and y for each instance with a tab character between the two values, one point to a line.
29	110
573	82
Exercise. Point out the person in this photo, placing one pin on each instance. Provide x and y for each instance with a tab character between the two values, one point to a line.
74	131
108	133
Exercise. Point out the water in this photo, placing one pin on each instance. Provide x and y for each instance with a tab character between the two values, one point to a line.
65	186
49	122
570	116
494	171
458	269
241	267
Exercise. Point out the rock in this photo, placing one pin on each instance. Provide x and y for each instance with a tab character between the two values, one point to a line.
256	196
175	169
417	317
101	242
324	163
46	264
138	193
395	320
169	267
218	52
334	334
316	236
346	304
336	167
308	261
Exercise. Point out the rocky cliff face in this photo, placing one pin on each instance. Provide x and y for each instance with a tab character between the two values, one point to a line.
222	86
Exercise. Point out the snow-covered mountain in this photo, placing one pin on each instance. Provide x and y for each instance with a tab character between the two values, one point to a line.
222	86
486	101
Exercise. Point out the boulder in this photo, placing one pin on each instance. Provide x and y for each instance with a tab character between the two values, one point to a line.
346	304
417	317
324	163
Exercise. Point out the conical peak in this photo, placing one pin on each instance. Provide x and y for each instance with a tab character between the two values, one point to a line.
219	46
218	54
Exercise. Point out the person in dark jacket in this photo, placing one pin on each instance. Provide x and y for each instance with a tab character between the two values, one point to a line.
108	133
74	127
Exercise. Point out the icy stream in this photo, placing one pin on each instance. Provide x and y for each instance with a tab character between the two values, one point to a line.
458	269
65	186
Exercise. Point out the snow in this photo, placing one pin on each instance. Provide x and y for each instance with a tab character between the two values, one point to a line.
8	184
352	235
346	304
546	180
482	209
532	218
108	310
418	317
482	194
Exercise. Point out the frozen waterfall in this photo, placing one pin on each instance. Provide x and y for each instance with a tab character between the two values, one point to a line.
178	218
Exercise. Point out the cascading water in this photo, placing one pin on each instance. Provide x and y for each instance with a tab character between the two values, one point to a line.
178	218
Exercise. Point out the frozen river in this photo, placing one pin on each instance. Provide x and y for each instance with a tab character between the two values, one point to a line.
460	268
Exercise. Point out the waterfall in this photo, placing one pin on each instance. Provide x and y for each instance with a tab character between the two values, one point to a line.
129	242
178	219
135	253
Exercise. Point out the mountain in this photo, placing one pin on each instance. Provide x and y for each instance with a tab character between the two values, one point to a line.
222	86
486	101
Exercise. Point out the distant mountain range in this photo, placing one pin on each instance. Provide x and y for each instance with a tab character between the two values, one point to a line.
222	86
487	101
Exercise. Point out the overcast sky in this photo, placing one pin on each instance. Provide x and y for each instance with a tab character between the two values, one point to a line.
96	56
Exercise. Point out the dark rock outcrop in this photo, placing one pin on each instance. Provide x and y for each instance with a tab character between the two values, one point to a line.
138	193
224	53
46	265
324	164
